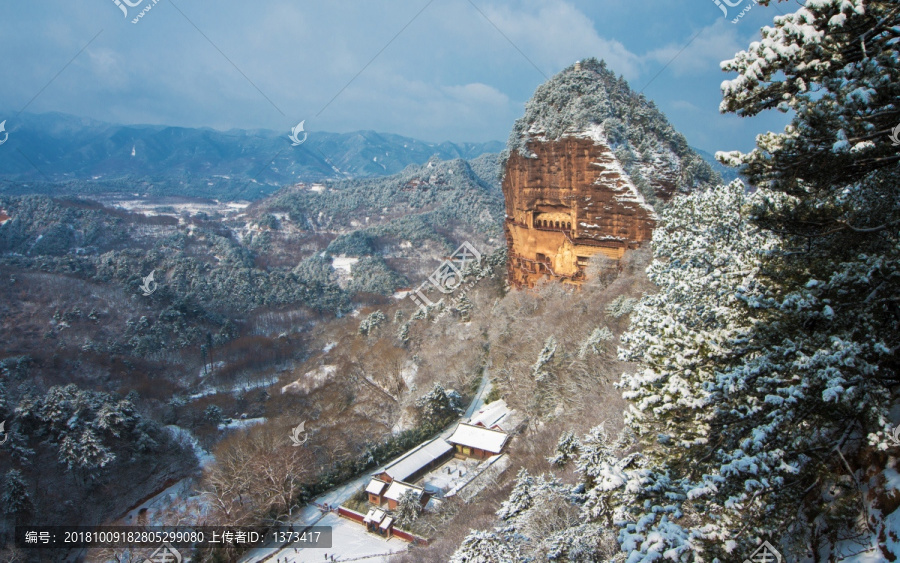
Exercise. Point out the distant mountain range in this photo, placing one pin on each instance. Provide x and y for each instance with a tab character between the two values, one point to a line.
61	154
57	152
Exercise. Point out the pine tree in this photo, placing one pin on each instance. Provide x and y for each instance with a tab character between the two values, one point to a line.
585	543
371	322
537	370
834	64
594	342
464	307
744	376
409	508
403	332
438	407
620	306
16	498
538	514
213	414
91	453
521	497
116	418
566	448
835	326
485	547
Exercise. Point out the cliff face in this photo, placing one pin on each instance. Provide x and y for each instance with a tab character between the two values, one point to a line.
586	166
567	200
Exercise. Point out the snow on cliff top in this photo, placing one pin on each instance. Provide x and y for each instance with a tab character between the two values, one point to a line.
587	95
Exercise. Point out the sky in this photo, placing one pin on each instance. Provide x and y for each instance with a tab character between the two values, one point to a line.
436	70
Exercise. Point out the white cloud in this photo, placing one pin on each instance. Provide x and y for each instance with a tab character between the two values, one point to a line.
477	93
470	112
555	34
714	44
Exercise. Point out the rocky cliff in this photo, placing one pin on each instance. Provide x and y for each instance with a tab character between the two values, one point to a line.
585	167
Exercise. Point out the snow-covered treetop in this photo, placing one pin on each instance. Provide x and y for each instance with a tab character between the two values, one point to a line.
835	65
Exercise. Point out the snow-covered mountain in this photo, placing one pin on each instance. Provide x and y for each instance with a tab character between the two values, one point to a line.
656	157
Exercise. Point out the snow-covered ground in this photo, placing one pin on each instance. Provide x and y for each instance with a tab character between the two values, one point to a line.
176	503
408	373
344	263
311	515
236	388
350	542
242	422
311	380
447	476
486	474
153	206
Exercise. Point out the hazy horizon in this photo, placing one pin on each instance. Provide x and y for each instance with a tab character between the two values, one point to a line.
434	71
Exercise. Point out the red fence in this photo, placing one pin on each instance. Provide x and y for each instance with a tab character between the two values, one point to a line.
351	514
404	535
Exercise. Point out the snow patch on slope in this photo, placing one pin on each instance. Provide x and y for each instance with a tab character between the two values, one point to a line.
630	193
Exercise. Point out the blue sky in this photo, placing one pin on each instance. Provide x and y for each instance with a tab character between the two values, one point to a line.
442	70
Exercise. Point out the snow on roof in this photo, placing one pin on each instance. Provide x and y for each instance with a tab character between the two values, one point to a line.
374	515
492	414
398	489
386	523
417	458
376	486
478	437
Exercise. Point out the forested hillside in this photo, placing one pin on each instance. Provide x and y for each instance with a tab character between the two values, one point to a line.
240	299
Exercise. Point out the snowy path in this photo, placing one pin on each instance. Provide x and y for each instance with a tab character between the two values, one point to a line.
478	400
